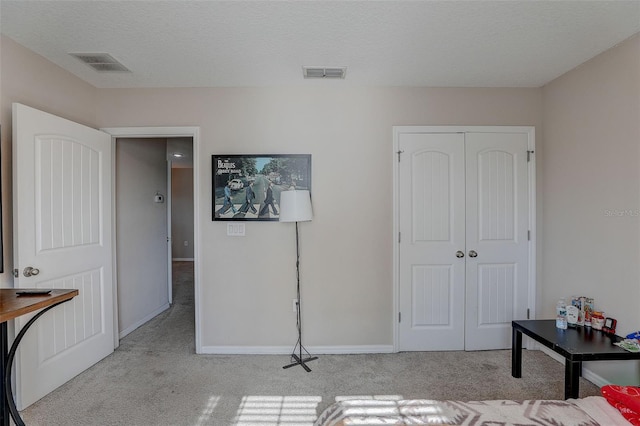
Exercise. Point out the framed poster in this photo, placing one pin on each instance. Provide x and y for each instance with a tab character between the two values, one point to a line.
248	187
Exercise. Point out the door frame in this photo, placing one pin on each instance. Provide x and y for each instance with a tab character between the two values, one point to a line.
397	131
166	132
169	200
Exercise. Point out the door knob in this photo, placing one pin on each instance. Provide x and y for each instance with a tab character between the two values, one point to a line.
459	253
30	272
472	253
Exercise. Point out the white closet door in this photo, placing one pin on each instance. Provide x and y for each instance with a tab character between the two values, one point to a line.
431	197
497	206
463	217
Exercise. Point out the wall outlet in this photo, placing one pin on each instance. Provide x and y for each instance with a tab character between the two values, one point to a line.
294	303
235	229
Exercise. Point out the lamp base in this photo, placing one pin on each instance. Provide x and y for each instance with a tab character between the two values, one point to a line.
298	359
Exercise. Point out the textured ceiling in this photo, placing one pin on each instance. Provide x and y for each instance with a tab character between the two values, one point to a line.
184	43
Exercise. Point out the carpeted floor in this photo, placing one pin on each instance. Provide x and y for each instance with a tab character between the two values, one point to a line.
155	378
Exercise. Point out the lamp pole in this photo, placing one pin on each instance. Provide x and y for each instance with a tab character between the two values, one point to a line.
297	357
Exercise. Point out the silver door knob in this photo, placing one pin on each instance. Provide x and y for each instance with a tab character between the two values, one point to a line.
30	272
459	253
472	253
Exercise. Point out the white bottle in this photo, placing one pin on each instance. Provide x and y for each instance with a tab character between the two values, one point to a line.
561	314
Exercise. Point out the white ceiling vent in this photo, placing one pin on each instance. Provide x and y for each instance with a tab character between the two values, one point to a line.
324	72
101	62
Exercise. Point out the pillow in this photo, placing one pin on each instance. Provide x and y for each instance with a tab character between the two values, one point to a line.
626	399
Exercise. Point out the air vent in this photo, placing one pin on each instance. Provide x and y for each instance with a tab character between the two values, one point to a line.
101	62
324	72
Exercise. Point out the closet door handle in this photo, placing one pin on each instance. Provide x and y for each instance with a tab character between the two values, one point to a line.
459	254
472	253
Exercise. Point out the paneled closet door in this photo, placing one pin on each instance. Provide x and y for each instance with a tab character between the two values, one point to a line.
432	234
463	218
497	261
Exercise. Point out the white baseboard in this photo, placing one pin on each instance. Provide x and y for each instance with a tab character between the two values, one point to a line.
285	350
182	259
358	349
586	373
594	378
144	320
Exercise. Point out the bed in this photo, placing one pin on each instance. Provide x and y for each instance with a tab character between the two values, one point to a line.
590	411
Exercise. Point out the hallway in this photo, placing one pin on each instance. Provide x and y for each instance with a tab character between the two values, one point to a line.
174	329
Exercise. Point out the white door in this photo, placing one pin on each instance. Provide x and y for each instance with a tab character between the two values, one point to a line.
432	231
62	226
463	250
496	236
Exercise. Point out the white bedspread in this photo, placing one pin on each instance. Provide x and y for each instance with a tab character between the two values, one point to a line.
591	411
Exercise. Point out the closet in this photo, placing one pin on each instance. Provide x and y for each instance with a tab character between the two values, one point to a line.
464	217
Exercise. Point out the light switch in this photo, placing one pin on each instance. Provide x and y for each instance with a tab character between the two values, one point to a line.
235	229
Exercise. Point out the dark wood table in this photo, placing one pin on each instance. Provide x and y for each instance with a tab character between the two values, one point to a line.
12	306
575	344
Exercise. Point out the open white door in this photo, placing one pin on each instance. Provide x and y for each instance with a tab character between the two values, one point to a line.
62	226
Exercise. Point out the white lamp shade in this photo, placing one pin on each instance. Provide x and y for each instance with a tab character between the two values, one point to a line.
295	206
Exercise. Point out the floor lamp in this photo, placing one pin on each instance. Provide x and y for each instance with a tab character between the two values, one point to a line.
295	206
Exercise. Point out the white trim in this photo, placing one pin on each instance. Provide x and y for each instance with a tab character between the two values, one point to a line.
182	259
170	132
396	246
532	224
169	199
359	349
397	130
114	249
285	350
144	320
594	378
586	373
461	129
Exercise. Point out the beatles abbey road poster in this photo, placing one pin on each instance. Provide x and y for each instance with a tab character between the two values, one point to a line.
248	187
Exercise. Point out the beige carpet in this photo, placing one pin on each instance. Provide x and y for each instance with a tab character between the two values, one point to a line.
155	378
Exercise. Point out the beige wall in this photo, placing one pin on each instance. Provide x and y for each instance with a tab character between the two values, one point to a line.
591	188
182	212
141	231
346	266
347	249
587	158
32	80
248	283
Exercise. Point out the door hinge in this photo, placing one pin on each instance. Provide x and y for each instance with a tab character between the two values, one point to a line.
529	155
528	235
16	273
528	313
399	316
399	237
399	152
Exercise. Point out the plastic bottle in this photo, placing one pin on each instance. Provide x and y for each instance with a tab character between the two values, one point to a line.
561	314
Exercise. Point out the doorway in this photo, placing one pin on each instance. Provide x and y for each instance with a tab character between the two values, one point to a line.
181	135
142	206
180	210
464	215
